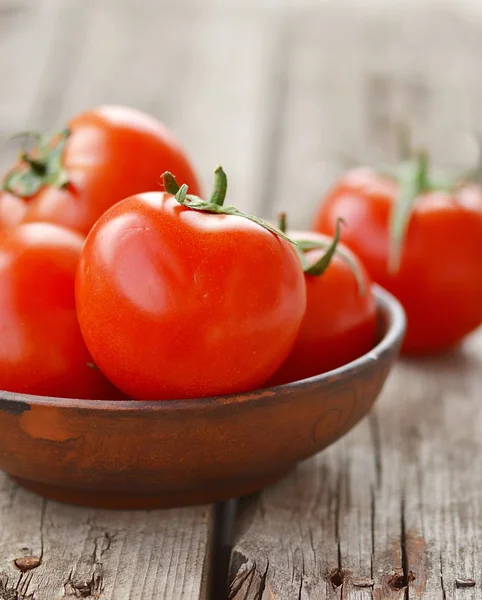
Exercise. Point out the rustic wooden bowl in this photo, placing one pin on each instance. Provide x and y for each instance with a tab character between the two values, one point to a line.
156	454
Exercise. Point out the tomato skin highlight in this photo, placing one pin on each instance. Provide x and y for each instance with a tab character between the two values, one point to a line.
439	282
112	152
339	324
174	303
42	350
12	210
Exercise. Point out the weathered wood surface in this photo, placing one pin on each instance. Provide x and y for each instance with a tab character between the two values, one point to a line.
87	553
397	503
281	92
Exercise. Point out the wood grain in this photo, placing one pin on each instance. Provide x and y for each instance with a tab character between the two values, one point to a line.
87	553
395	504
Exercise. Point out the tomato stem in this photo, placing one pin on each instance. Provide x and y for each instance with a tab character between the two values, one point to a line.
40	167
414	176
423	171
181	195
413	180
220	187
282	221
320	266
216	202
170	183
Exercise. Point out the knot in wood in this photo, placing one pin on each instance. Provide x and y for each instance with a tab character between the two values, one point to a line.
27	563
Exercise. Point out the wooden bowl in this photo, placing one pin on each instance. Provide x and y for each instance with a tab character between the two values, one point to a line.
158	454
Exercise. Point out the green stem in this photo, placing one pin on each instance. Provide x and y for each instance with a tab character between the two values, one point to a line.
413	181
320	266
170	183
181	195
220	187
39	166
306	245
422	170
216	202
282	222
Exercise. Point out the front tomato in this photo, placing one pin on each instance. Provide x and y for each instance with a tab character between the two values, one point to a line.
103	155
177	302
42	350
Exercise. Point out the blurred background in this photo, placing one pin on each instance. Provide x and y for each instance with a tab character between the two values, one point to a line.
282	93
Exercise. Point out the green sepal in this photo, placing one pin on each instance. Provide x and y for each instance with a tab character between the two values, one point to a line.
196	203
412	181
39	167
331	248
320	266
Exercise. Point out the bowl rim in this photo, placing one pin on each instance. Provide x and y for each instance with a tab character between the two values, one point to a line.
386	302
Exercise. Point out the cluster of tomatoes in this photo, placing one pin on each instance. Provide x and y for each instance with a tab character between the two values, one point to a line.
116	282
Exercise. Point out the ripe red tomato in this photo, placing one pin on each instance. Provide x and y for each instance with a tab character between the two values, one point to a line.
430	259
175	302
340	319
42	350
12	210
103	156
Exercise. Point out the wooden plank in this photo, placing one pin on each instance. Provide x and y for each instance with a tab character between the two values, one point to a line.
87	553
396	503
